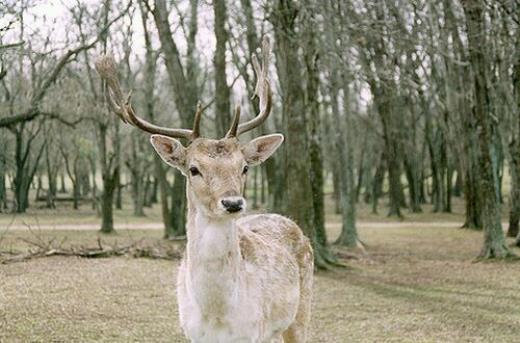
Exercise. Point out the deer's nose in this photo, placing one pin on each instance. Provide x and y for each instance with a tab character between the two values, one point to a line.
233	204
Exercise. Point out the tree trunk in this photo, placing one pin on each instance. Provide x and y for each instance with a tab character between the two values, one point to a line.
51	179
3	189
164	191
361	168
392	154
178	210
185	94
449	189
514	212
494	240
63	188
76	192
311	103
336	184
343	144
472	200
109	174
298	192
107	201
377	184
222	106
139	196
271	167
26	166
412	176
117	153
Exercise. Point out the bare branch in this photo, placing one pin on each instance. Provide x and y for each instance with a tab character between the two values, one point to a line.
105	66
33	111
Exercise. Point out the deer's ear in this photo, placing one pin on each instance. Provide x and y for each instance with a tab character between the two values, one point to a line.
170	150
261	148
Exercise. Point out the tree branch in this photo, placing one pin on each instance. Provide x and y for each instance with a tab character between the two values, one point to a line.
33	111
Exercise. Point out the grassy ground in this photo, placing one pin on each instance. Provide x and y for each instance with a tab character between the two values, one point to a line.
416	284
64	215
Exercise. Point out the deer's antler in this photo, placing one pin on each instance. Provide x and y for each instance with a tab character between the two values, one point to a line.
262	91
105	67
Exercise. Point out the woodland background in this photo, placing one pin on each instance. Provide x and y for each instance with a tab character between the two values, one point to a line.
402	125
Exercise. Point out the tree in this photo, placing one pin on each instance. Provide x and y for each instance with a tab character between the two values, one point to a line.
342	136
494	241
222	91
298	189
185	94
514	214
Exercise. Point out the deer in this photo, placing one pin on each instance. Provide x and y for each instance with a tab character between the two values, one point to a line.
243	278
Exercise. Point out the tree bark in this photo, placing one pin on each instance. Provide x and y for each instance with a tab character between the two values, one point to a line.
298	192
185	94
494	240
514	214
311	103
377	183
343	143
3	189
222	105
26	165
107	201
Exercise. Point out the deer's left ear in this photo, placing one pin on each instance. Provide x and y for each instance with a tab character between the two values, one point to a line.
261	148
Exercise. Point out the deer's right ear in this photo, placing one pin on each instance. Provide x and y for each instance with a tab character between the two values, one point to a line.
170	150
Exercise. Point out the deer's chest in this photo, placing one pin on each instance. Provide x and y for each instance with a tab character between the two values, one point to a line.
216	303
214	309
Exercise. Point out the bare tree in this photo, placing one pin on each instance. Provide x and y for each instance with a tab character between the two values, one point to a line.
494	241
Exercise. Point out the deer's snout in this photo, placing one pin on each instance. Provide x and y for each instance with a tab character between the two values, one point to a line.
233	204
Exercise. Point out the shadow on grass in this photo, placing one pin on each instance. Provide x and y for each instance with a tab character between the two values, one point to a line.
452	307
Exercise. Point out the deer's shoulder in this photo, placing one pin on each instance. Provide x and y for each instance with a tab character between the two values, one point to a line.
272	232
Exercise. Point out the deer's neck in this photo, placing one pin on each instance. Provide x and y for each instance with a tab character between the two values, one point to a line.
212	242
213	262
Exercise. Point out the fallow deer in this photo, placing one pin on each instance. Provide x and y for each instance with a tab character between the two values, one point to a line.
242	278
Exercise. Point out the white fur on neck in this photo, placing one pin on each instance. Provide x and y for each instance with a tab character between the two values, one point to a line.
212	238
212	282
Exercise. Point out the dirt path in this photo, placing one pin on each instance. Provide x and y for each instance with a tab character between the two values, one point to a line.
76	226
160	226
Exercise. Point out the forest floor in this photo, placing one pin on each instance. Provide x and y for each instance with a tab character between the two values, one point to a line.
417	282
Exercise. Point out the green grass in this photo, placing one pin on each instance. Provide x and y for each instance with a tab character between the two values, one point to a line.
415	284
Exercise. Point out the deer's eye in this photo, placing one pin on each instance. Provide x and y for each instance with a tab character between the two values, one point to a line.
244	171
194	171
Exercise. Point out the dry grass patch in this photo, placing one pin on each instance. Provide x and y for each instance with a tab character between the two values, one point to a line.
415	285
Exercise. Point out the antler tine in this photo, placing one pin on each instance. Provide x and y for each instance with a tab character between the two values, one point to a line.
196	121
234	125
262	89
105	67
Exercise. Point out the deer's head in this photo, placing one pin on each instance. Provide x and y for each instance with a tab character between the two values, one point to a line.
216	169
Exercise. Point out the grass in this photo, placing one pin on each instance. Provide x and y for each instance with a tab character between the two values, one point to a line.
65	215
416	284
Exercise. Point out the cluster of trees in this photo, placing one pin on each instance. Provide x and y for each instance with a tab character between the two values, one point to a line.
423	94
